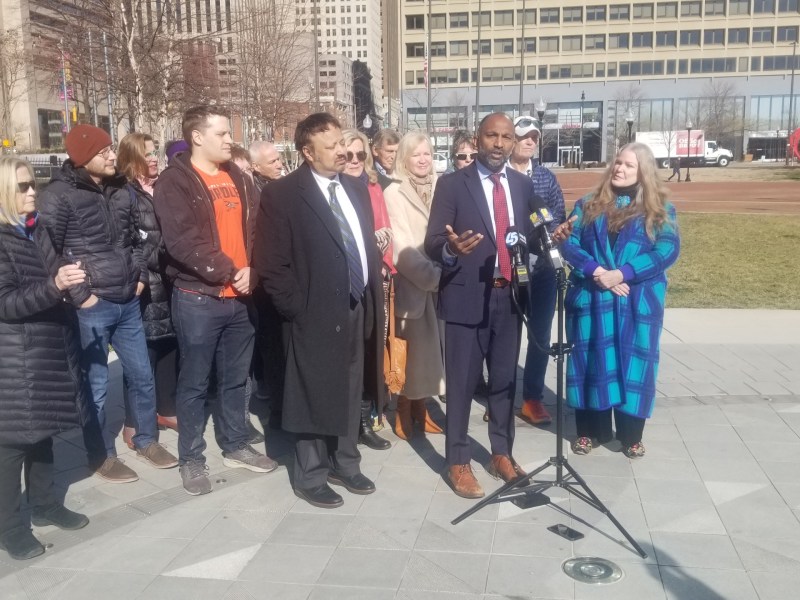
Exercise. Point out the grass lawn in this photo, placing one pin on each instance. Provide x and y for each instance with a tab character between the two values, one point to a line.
736	261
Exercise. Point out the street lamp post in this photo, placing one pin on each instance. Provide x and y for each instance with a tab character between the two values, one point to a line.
789	151
541	106
689	126
629	118
580	136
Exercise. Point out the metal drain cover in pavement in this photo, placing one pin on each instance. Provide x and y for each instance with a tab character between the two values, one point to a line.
591	569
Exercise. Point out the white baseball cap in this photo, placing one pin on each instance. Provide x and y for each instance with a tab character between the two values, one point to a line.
524	125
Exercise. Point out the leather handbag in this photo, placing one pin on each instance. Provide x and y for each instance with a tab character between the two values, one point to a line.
394	353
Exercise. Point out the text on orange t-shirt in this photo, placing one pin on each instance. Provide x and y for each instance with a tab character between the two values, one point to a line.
228	215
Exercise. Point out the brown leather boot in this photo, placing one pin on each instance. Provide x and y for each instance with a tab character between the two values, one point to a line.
403	427
463	481
504	467
419	413
127	436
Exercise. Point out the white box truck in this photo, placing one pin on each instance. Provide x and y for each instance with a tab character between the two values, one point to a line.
667	145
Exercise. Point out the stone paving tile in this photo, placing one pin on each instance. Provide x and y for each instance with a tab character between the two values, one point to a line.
327	592
748	519
730	470
259	590
776	586
695	550
673	492
469	536
683	583
668	469
673	390
441	572
696	414
403	594
638	582
703	388
790	493
528	577
766	554
241	525
775	450
769	388
309	529
527	539
170	588
120	586
733	387
683	518
380	533
287	564
370	568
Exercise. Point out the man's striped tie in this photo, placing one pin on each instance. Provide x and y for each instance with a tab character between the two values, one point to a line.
351	248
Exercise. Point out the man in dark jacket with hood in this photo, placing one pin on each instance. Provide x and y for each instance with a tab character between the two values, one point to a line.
88	213
204	205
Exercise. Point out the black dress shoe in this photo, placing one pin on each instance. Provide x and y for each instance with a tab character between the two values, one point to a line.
355	484
20	544
321	497
370	439
58	515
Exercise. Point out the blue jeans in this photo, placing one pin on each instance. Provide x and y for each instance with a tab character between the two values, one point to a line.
121	326
212	330
541	308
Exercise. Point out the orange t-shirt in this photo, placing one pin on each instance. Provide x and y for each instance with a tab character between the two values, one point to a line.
228	215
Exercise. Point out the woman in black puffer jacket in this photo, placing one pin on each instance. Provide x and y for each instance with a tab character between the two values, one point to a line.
40	394
138	161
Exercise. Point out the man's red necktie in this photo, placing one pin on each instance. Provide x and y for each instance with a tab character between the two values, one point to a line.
501	225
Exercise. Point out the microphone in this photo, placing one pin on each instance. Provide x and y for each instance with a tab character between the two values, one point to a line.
516	244
540	219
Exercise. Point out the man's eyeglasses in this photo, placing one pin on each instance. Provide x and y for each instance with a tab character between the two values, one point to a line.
106	152
24	186
360	155
470	156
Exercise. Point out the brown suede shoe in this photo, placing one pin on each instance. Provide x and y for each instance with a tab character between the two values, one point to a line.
504	467
114	470
463	481
157	456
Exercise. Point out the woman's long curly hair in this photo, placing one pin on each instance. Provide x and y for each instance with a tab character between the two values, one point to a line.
650	199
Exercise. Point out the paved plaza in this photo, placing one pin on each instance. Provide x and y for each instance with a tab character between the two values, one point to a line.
715	503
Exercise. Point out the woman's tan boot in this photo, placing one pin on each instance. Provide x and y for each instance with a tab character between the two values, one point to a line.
419	413
403	427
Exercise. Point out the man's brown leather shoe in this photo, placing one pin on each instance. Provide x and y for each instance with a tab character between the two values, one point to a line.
504	467
463	481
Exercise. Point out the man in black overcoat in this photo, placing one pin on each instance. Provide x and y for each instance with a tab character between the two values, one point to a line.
318	262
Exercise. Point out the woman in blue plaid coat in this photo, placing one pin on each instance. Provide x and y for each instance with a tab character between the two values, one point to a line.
624	239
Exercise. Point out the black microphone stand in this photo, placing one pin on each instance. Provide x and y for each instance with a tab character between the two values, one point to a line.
520	491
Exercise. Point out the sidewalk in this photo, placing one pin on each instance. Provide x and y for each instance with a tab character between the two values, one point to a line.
715	504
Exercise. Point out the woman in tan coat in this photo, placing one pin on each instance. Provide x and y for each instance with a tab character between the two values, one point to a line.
416	283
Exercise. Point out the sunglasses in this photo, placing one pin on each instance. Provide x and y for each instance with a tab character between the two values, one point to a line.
470	156
361	155
24	186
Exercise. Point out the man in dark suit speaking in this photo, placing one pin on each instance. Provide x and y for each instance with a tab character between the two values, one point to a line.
317	258
472	210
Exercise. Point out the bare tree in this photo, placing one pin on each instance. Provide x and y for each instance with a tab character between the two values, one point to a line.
12	74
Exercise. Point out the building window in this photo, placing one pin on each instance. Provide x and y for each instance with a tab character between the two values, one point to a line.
529	16
713	65
755	63
617	40
548	44
690	9
543	72
642	11
690	37
549	15
671	67
410	78
643	39
600	70
667	10
531	73
762	34
459	20
503	17
787	34
459	48
486	47
415	22
571	71
438	48
619	12
501	74
739	35
596	13
666	39
504	46
596	42
573	14
787	6
484	19
439	21
572	43
715	7
713	36
743	62
612	69
530	44
738	7
415	50
763	6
